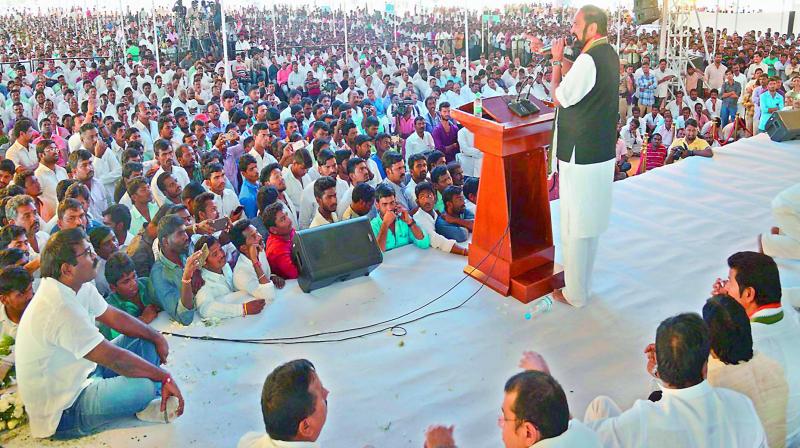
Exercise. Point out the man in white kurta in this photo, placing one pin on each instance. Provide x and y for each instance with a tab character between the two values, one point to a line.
586	168
690	413
784	241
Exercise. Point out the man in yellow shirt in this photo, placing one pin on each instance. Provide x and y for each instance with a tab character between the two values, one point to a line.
689	145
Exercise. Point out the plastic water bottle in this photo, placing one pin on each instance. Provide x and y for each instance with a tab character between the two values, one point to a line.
541	306
477	106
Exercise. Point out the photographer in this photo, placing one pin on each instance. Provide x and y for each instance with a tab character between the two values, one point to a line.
689	145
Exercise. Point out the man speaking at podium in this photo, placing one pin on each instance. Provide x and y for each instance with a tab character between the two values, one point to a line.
586	96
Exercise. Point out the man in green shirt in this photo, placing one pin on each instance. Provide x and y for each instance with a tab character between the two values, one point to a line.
770	62
393	226
129	293
133	50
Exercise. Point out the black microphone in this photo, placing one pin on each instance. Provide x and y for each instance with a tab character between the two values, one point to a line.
522	87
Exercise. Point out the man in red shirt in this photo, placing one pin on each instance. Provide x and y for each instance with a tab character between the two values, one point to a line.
656	153
279	242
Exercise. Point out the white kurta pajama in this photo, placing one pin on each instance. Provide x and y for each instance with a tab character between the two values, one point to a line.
585	194
786	210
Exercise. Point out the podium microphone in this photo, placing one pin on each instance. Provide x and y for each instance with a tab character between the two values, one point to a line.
523	107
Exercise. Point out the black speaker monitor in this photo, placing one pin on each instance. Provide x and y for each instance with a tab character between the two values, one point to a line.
784	125
335	252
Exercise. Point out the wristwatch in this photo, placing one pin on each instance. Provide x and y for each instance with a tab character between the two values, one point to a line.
556	63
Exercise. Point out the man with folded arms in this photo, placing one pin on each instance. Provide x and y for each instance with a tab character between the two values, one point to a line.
57	339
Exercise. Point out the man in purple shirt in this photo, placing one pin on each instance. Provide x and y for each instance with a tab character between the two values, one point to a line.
231	149
445	134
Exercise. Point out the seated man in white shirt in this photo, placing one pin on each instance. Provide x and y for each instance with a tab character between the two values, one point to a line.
16	292
690	413
57	338
252	277
326	166
226	200
294	384
426	217
470	157
783	241
420	140
754	282
535	413
218	298
325	195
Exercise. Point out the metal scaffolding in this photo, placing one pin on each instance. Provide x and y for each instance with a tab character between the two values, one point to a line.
675	39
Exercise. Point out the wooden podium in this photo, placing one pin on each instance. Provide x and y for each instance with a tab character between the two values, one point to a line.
512	194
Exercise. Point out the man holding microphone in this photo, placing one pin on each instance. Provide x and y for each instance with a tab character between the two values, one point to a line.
585	93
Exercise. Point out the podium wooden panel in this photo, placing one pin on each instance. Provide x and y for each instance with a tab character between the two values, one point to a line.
513	195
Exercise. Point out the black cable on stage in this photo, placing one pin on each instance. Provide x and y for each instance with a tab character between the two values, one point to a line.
296	340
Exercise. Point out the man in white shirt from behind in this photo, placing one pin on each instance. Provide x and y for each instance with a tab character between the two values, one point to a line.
66	393
690	413
284	429
535	414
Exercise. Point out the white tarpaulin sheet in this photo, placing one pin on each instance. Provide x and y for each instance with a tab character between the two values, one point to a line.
671	231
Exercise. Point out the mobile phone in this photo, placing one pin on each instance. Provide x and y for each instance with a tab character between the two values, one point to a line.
300	144
220	223
343	116
204	254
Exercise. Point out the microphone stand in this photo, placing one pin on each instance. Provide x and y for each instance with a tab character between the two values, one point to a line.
523	107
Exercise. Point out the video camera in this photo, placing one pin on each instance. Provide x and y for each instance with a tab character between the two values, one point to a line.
401	106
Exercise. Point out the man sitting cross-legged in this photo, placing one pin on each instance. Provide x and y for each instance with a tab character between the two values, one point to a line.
57	339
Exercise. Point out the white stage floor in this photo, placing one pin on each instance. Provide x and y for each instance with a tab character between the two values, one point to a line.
671	232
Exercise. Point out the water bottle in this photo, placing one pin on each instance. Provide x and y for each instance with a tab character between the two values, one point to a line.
477	106
541	306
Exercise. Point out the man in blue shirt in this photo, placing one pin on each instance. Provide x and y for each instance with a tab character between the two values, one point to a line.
173	272
248	167
769	101
456	221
